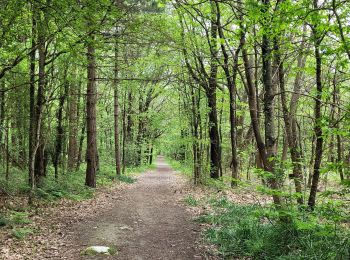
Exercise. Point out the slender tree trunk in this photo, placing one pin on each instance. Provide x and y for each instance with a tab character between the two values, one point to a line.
7	153
73	128
130	122
215	149
124	135
2	113
231	84
195	133
318	119
81	141
59	130
32	116
91	98
116	112
291	135
39	170
270	89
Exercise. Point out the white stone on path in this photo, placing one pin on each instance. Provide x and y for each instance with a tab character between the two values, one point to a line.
98	249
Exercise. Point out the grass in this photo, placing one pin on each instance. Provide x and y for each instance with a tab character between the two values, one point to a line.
19	218
186	169
189	200
248	231
22	233
126	179
181	167
17	223
69	185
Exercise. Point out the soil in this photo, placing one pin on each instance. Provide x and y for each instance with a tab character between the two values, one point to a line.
147	221
144	220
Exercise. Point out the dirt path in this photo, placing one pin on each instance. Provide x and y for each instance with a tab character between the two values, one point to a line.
146	221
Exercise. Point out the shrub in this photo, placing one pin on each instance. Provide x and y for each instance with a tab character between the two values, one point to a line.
255	232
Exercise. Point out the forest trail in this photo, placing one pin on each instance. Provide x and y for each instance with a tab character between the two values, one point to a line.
147	221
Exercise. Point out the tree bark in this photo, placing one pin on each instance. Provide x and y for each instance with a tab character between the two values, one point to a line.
39	170
59	129
31	139
91	99
318	117
116	111
231	84
215	149
73	128
291	134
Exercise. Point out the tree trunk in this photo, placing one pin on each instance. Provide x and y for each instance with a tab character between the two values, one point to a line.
32	117
129	120
231	84
215	150
2	112
270	89
116	112
291	136
73	128
39	169
59	130
91	98
124	136
318	119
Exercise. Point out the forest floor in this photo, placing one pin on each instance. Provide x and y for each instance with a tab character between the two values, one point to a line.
144	220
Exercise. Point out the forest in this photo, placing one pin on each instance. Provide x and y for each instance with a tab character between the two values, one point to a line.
245	100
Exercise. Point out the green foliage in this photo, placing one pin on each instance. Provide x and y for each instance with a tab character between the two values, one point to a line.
126	179
180	167
258	233
113	250
22	233
3	221
189	200
19	218
71	185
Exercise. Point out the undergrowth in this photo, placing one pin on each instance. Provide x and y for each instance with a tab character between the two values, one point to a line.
69	185
254	232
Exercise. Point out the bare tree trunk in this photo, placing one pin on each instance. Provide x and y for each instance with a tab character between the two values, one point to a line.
291	135
7	153
215	149
73	128
124	135
231	84
116	112
130	122
31	176
318	118
270	89
195	99
2	111
91	98
39	169
59	130
81	141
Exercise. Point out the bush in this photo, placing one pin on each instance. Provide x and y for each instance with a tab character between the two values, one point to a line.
126	179
255	232
3	221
